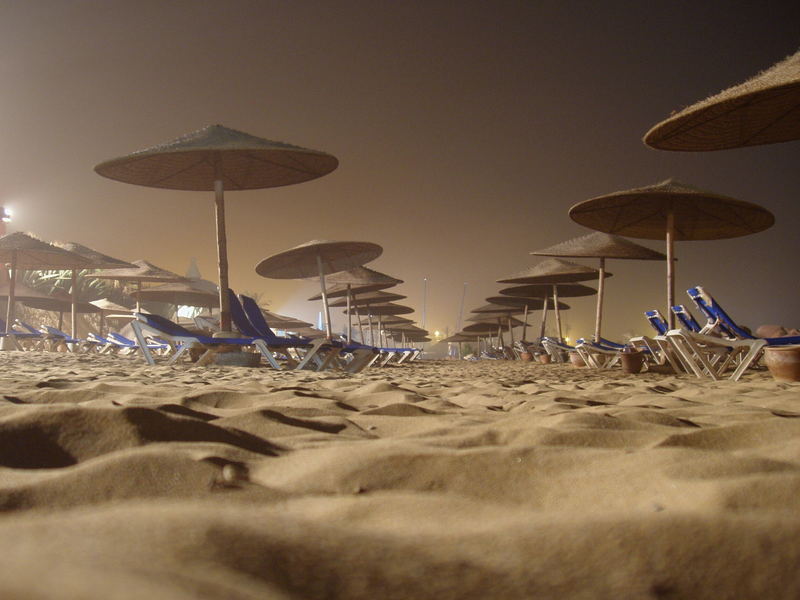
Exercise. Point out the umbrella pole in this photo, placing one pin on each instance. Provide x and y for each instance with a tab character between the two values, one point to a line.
360	324
670	268
138	292
544	317
326	310
381	339
601	286
10	344
222	256
525	323
558	313
74	315
61	319
349	316
510	330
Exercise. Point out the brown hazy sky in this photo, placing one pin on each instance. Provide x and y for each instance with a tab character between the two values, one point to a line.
464	130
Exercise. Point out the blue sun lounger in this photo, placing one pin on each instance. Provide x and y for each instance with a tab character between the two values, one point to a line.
602	354
327	353
657	349
742	351
15	335
315	353
183	339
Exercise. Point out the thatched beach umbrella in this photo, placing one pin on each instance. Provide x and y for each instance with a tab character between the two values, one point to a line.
381	311
142	271
108	308
318	258
367	299
284	322
602	246
359	280
216	159
537	300
762	110
354	282
675	211
497	312
556	273
97	261
193	292
21	251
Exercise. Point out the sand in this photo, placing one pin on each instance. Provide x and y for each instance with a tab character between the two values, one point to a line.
428	480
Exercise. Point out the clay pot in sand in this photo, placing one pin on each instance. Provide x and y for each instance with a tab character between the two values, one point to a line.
545	359
576	360
632	362
783	362
526	356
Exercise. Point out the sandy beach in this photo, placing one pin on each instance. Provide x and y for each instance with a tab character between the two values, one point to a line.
440	479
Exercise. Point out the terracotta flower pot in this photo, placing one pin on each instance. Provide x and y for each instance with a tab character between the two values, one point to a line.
526	356
783	362
545	359
576	360
632	362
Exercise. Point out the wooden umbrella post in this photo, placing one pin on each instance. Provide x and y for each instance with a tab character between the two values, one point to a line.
558	314
544	317
138	294
222	256
74	302
326	309
670	268
12	281
8	342
349	315
525	323
360	324
601	283
371	334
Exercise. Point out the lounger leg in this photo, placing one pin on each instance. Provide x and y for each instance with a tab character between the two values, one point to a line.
137	331
748	359
262	347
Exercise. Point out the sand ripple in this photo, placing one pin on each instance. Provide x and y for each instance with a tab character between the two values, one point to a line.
428	480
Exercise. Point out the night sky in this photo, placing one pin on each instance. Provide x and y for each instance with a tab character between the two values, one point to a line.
464	131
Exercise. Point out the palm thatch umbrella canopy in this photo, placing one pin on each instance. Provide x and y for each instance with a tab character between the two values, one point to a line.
217	158
284	322
111	310
675	211
359	280
194	292
390	308
389	320
22	251
142	271
368	299
58	301
763	110
318	258
602	246
557	273
520	302
354	282
97	261
486	327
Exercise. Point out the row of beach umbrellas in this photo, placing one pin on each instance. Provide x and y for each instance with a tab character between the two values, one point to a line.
762	110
